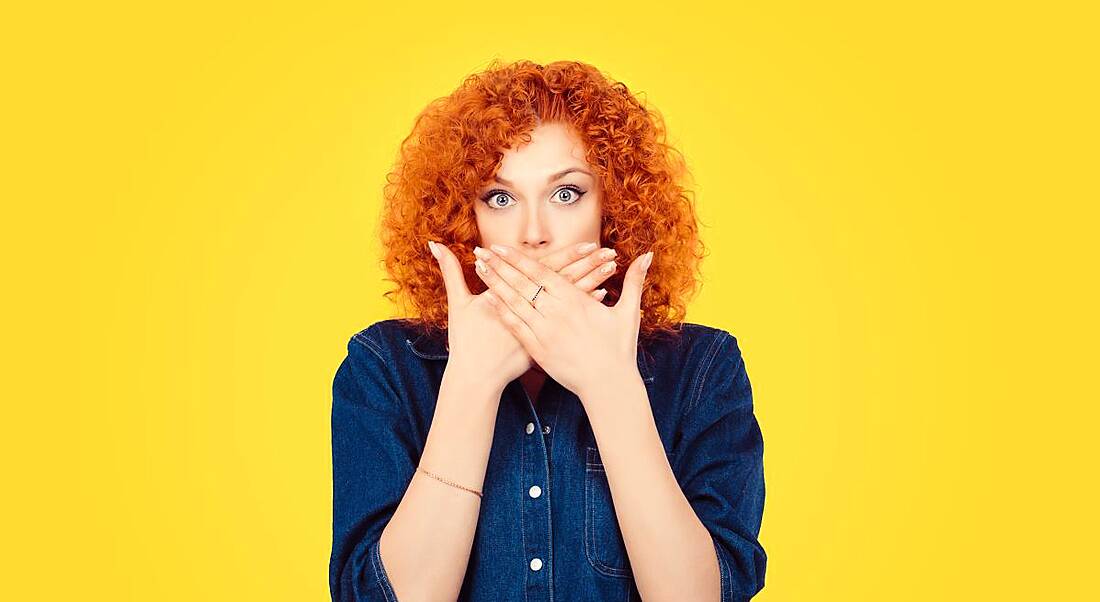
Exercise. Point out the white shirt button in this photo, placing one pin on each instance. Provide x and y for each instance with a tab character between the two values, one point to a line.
546	429
530	427
536	564
534	491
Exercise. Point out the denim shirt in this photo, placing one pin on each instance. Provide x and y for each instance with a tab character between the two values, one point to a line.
563	544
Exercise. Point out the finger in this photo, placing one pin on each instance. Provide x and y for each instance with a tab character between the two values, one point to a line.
453	280
598	294
567	256
525	275
516	325
519	287
596	276
581	268
631	298
504	292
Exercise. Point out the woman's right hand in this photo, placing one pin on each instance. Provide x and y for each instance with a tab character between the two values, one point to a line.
481	347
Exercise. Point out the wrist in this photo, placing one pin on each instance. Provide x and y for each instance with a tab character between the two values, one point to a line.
469	384
613	392
610	377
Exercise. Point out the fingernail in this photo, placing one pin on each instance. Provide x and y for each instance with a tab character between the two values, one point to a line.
481	253
586	247
602	292
434	251
647	260
480	265
499	250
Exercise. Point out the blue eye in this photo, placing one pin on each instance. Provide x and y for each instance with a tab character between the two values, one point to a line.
493	195
570	189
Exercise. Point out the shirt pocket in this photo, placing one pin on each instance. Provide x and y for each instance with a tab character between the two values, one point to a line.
603	540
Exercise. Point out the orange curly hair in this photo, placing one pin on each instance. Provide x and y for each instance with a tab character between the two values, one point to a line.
456	146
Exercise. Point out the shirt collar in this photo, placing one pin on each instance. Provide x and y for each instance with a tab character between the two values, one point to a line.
434	347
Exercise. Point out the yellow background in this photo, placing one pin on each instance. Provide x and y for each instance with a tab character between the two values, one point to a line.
900	207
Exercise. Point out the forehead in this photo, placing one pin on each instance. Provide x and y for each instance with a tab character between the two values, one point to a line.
553	147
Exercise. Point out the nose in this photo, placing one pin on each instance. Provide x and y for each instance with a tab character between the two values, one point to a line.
535	235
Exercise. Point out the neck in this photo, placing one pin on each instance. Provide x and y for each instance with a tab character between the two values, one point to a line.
532	382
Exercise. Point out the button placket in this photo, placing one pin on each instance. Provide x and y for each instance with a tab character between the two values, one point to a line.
535	516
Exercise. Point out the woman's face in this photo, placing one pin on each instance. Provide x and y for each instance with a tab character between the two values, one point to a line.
543	197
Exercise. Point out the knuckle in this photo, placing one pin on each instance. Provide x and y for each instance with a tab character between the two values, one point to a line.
511	297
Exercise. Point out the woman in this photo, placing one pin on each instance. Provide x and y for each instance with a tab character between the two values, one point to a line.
534	437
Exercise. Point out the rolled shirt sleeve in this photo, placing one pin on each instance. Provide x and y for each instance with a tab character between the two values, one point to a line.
373	460
722	474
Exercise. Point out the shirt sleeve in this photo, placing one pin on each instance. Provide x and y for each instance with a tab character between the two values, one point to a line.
373	460
722	471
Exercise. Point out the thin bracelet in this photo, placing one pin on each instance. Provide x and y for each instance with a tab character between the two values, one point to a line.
439	478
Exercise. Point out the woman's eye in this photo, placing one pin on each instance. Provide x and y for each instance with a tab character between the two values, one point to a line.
566	195
492	198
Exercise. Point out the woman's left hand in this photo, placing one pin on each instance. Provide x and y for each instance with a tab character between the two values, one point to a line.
580	342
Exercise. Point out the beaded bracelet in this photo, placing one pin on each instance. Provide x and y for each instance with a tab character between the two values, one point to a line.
439	478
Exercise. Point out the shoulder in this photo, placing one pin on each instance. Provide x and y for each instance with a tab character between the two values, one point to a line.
716	344
690	334
694	345
371	374
701	359
385	337
702	334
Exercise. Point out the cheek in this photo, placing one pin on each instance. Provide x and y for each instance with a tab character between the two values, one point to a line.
576	222
490	230
590	218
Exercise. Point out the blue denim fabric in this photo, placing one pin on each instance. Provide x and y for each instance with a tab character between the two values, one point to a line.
384	395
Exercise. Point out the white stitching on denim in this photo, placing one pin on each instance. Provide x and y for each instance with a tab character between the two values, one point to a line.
704	370
589	531
587	514
550	515
722	583
380	573
522	529
589	528
362	337
427	356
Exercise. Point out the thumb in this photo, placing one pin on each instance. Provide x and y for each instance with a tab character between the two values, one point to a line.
453	280
631	298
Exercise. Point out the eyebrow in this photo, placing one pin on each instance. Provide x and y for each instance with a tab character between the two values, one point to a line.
557	176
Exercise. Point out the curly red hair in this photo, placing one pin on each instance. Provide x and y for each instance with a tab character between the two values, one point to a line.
457	144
